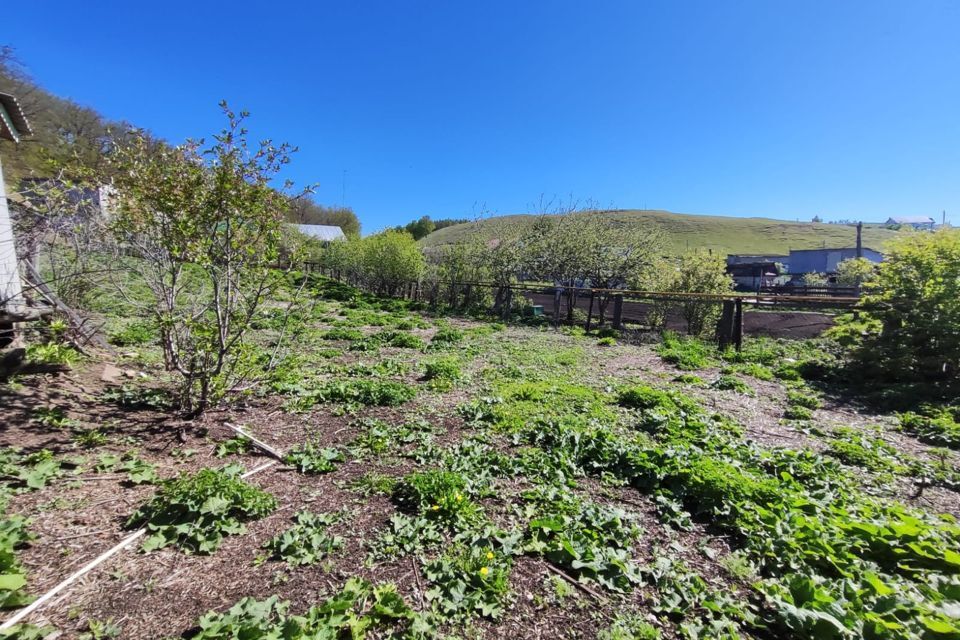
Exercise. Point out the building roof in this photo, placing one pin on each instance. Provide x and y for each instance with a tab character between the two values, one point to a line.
321	231
13	124
910	220
822	249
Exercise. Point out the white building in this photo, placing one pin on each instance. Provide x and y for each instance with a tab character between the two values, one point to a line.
917	222
13	125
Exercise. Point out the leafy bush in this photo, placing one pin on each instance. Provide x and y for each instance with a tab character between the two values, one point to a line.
352	335
644	397
939	427
468	581
685	353
235	446
405	340
195	512
590	541
309	458
797	412
804	398
407	534
442	372
384	393
446	336
609	341
359	608
441	496
307	541
52	353
915	297
134	334
732	383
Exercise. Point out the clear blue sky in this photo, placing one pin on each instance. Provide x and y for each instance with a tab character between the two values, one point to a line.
786	109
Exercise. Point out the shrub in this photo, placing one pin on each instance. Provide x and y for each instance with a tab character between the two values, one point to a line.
441	496
797	412
52	353
442	369
195	512
339	333
644	397
937	428
404	340
915	297
732	383
446	336
685	353
803	399
606	342
383	393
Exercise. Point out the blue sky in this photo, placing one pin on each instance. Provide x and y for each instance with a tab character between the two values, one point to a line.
785	109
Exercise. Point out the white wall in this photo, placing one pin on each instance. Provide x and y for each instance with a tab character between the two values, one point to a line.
10	288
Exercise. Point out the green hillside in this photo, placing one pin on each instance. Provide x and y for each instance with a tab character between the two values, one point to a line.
720	234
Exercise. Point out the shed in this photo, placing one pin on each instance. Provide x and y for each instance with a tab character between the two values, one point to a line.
751	272
322	232
826	260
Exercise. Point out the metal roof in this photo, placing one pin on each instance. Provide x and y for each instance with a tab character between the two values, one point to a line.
321	231
13	124
910	220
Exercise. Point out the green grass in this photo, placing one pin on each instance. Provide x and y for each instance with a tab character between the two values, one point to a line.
718	233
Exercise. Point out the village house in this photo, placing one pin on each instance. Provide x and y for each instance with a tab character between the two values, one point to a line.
925	223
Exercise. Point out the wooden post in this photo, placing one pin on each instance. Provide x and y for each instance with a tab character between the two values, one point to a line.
590	311
618	312
738	324
725	325
556	307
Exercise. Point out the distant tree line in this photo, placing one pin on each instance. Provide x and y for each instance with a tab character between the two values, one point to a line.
305	210
424	226
569	250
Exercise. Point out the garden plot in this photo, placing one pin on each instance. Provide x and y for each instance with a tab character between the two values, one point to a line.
446	477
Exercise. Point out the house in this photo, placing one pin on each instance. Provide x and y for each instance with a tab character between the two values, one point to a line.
917	222
751	272
825	261
13	125
321	232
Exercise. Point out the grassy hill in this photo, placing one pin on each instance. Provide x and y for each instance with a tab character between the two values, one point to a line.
721	234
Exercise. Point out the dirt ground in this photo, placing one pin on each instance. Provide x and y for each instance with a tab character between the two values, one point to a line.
163	593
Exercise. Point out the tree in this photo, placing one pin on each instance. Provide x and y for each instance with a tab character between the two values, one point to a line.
389	260
201	224
698	272
916	297
854	272
305	210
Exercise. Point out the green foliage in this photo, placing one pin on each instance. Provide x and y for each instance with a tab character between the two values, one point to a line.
13	536
440	496
797	412
310	458
404	340
134	334
442	373
53	417
307	541
469	581
28	472
130	396
52	353
204	228
687	354
591	541
235	446
195	512
382	393
358	610
803	398
854	447
138	471
696	272
854	272
629	627
935	426
915	298
446	336
606	342
732	383
340	333
407	534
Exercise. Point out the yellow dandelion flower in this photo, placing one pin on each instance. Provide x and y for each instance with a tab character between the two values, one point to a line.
459	497
435	507
484	571
489	555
